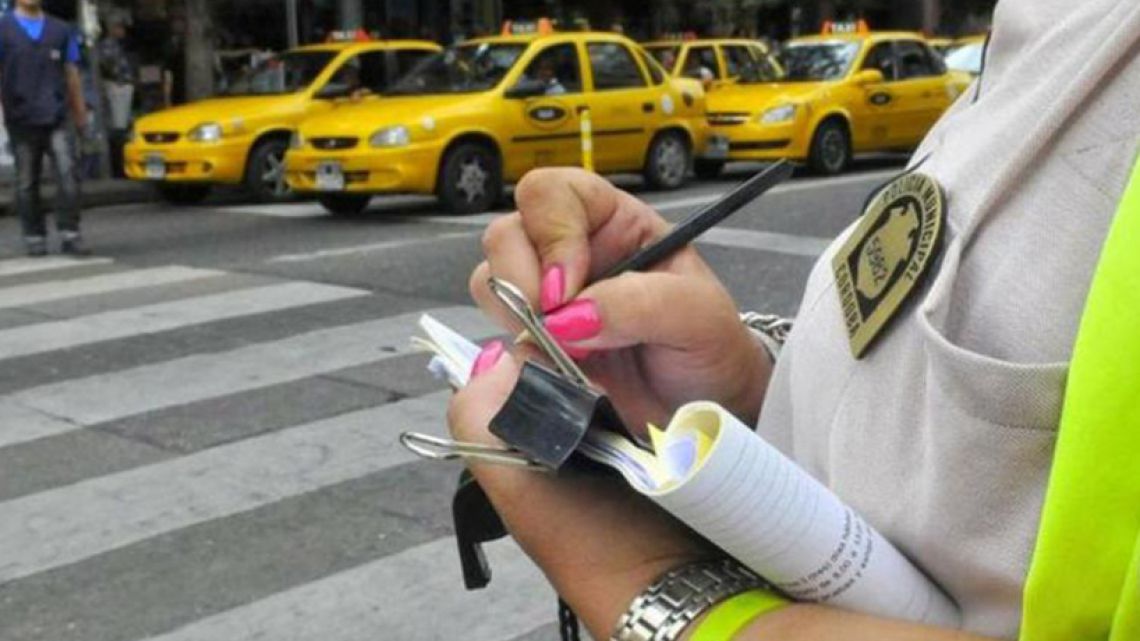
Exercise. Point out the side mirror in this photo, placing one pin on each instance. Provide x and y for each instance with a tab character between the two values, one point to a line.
869	77
526	88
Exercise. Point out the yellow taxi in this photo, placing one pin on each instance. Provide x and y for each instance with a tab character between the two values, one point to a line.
488	110
241	137
715	61
844	92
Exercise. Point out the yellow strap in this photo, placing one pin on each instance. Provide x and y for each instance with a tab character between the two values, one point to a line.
1082	581
728	618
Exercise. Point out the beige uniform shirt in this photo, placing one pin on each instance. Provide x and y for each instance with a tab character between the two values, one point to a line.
942	435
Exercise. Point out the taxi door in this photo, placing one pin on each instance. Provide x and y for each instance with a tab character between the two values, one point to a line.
624	108
542	111
873	106
920	93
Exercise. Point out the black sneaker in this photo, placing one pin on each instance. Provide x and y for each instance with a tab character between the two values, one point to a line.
74	247
36	248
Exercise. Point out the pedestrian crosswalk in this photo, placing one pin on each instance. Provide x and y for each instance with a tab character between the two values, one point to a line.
217	509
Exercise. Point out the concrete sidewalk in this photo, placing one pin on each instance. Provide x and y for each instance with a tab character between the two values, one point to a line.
96	193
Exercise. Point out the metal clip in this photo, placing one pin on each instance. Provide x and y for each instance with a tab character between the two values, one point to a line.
518	305
442	449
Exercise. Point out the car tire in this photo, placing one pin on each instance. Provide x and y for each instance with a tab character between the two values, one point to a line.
182	194
830	148
668	161
265	171
470	179
344	204
708	169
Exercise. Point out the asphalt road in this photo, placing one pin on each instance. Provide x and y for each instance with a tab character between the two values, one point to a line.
198	425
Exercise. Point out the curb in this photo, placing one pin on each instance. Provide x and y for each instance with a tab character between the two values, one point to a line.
92	194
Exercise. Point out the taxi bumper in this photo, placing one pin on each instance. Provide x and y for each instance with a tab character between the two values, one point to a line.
222	162
364	170
752	140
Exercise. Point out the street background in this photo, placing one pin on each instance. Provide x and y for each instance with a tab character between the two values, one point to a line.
200	422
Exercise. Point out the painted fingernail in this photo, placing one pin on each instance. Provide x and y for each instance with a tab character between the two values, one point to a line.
577	321
553	288
487	358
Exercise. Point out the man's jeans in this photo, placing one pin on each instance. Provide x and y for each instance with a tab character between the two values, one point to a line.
30	144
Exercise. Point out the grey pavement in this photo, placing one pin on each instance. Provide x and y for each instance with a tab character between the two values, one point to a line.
198	426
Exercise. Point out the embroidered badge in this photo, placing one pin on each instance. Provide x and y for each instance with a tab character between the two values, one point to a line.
887	255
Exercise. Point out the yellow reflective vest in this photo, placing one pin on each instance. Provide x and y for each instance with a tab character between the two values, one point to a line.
1084	578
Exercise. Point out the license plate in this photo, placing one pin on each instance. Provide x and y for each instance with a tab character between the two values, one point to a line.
330	177
717	148
154	167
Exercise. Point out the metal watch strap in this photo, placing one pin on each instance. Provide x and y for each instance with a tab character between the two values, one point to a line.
666	608
770	329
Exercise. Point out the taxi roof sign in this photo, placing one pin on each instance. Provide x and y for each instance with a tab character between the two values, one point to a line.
359	35
859	26
542	26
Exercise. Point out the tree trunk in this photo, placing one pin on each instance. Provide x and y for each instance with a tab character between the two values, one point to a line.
199	49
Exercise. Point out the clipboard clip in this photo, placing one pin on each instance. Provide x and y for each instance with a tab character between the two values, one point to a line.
443	449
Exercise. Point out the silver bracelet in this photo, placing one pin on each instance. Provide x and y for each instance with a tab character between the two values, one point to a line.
672	602
772	330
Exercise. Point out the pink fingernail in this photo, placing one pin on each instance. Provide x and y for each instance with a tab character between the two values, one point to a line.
487	358
577	321
553	288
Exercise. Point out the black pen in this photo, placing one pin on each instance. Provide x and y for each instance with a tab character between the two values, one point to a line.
698	223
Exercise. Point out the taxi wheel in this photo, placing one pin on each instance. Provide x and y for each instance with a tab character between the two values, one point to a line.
667	163
830	148
708	169
265	175
179	194
344	204
471	179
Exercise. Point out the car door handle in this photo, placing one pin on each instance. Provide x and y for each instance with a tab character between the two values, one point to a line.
647	107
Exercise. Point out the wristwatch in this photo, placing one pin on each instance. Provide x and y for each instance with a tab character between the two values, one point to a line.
672	602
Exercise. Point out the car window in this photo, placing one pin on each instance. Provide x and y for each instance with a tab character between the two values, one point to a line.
815	61
768	65
613	66
656	75
700	63
557	69
915	60
407	59
666	55
465	68
967	58
741	62
882	57
362	72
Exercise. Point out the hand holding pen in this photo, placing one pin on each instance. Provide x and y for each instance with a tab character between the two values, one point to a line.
652	340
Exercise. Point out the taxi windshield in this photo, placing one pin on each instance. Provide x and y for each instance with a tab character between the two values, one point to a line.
462	69
289	72
818	60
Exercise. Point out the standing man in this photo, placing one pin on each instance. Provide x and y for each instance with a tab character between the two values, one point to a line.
39	81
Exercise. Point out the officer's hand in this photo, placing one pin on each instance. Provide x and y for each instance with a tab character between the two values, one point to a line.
653	341
598	542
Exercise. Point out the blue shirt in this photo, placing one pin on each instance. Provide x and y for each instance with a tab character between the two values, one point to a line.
34	27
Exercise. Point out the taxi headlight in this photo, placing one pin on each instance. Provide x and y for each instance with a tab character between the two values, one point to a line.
206	132
391	137
775	115
297	140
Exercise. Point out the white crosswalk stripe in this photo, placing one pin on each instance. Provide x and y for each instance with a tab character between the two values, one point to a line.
60	526
107	397
25	295
53	531
18	266
150	319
